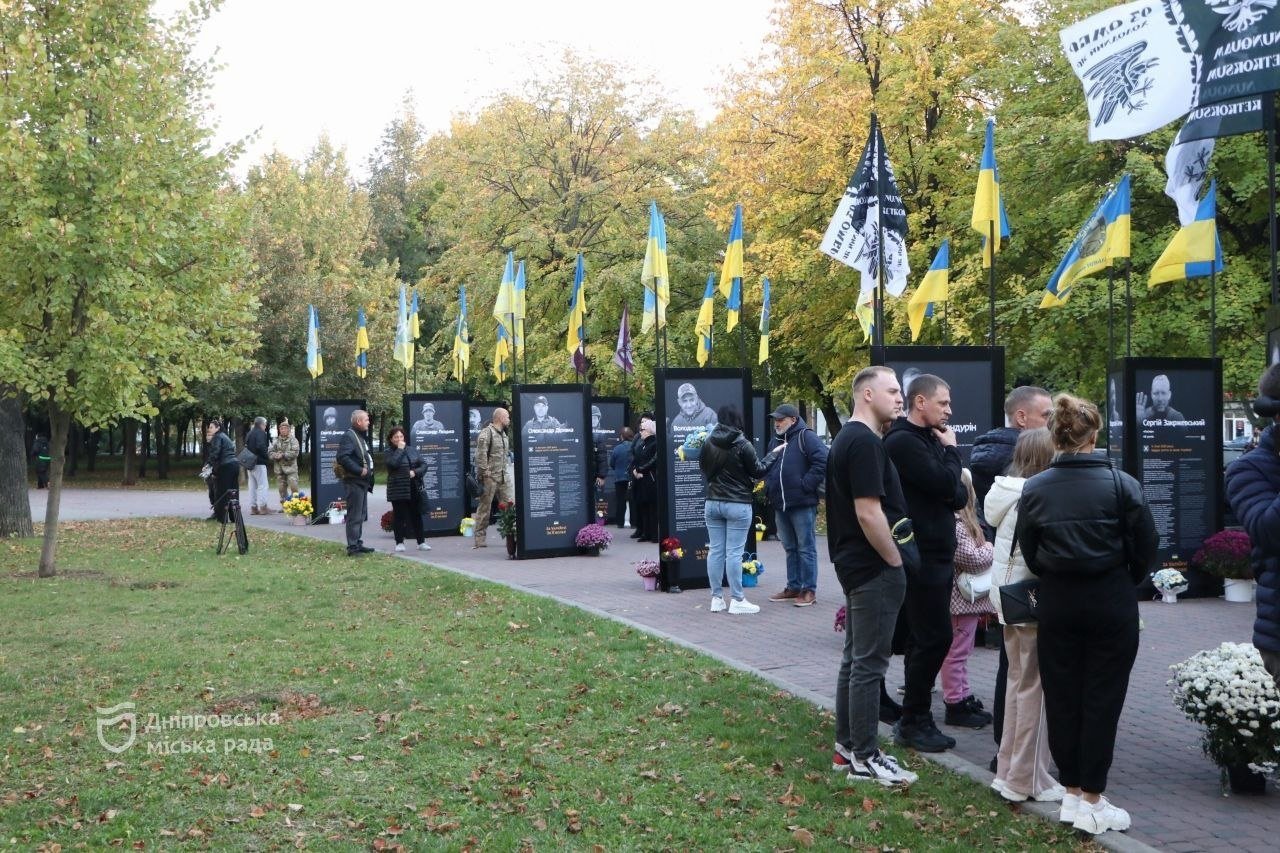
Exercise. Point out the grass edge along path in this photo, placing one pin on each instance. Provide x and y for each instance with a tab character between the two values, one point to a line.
417	708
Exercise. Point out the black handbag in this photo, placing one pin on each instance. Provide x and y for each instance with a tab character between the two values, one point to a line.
248	459
1020	602
474	489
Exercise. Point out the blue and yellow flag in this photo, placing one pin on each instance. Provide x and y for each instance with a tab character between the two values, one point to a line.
415	328
315	361
1103	239
657	286
519	305
706	315
1194	252
403	350
461	337
362	346
731	270
764	320
502	356
576	338
505	305
988	204
932	289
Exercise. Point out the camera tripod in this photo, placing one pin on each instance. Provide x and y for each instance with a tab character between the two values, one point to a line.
232	518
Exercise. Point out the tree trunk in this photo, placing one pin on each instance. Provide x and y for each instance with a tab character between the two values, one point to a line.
75	434
15	507
129	444
91	448
59	427
146	448
162	449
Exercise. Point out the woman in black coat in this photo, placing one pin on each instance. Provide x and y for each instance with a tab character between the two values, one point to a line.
224	465
405	468
644	473
1085	530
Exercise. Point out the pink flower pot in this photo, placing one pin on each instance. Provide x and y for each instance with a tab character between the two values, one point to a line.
650	584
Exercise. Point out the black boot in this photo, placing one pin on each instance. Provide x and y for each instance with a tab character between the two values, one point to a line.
967	713
921	734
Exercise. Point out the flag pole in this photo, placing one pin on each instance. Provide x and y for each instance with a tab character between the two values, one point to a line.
944	322
991	278
1213	311
877	314
1128	310
1111	316
1271	196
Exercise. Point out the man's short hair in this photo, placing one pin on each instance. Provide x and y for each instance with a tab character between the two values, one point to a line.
260	422
356	415
1021	397
925	385
431	406
867	375
1269	384
1161	378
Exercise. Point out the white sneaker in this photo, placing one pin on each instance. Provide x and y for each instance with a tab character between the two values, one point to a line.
1100	817
881	769
399	547
743	606
423	546
1051	795
717	603
1070	807
1002	788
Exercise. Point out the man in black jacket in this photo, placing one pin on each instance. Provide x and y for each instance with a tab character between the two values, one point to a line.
357	479
924	451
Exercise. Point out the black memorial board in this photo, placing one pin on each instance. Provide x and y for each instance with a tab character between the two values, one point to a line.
608	416
1172	410
1116	413
1273	335
435	424
555	472
976	377
681	487
761	424
329	420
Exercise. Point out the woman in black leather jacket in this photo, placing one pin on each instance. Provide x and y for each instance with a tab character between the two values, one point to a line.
225	468
1086	532
729	462
644	483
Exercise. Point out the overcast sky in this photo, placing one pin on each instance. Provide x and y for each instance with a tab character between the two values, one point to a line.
296	68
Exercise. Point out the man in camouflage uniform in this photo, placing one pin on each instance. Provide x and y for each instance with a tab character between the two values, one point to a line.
492	450
284	453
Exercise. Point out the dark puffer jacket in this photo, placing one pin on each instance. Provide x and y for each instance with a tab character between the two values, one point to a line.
730	465
1069	521
992	452
1253	489
798	470
399	463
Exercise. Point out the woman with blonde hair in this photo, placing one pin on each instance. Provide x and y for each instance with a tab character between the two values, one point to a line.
1022	767
1086	533
973	558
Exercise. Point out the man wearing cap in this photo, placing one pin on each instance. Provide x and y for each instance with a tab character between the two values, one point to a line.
540	420
796	469
428	422
693	412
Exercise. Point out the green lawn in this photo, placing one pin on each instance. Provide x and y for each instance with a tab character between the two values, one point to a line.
417	708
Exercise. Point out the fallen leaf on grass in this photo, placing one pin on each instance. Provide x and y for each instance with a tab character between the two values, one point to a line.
790	798
868	805
802	836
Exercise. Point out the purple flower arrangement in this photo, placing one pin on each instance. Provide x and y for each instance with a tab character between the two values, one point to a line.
1225	554
593	536
647	568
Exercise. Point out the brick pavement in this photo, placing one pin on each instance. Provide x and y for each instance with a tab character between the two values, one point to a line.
1159	774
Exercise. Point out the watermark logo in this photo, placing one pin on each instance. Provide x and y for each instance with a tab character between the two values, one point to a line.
111	718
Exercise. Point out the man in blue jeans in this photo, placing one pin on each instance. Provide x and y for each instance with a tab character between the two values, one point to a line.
864	500
797	470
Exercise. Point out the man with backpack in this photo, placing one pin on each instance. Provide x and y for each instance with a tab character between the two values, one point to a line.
797	470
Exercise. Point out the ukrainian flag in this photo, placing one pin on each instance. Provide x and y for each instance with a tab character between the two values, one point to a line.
1194	252
362	346
577	309
1102	239
654	274
932	289
706	315
731	270
415	328
519	303
988	205
403	350
764	320
504	306
502	355
461	337
315	361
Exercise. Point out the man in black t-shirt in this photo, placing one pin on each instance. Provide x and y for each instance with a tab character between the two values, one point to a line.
864	499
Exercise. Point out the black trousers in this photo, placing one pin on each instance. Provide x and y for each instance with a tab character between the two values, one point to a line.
1087	645
928	614
1002	683
406	520
620	490
228	476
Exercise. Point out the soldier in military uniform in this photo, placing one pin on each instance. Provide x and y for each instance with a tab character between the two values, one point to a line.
427	423
540	420
284	453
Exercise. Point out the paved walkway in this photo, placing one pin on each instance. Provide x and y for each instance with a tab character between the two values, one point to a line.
1159	774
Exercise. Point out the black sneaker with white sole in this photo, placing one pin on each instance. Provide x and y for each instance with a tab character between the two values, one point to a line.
881	769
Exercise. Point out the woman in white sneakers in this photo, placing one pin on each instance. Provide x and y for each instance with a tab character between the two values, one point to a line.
1022	767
